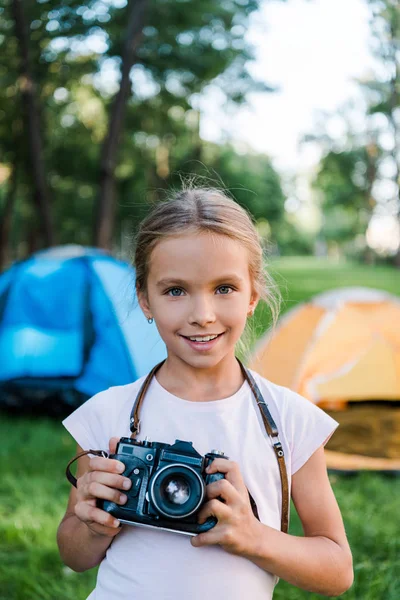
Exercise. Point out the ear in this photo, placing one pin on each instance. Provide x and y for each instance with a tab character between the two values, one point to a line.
143	302
254	299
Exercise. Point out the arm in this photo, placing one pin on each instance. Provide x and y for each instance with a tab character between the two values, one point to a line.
86	531
319	562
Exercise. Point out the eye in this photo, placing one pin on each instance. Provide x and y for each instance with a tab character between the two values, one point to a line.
171	292
225	289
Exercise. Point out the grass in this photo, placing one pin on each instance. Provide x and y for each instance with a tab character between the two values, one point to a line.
33	491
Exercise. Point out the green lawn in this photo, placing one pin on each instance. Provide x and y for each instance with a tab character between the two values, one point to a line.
33	489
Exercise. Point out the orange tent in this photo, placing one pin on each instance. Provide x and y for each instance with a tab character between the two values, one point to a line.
341	348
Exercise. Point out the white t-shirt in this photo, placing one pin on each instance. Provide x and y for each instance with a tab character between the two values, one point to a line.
150	564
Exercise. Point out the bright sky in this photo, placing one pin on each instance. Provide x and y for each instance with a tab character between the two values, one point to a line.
311	50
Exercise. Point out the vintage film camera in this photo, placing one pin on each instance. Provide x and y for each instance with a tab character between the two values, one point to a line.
168	485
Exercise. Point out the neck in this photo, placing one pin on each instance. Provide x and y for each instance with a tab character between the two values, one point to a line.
201	384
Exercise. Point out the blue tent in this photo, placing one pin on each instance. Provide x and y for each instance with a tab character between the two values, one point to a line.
70	326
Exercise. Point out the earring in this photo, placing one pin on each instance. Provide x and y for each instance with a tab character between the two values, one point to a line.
150	320
250	313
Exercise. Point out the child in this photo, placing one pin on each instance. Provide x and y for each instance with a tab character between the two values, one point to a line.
199	276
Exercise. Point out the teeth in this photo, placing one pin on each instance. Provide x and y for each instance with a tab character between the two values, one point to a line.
206	338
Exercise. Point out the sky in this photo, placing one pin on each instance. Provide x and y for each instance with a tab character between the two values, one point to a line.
312	50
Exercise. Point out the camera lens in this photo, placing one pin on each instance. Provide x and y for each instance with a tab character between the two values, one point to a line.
176	491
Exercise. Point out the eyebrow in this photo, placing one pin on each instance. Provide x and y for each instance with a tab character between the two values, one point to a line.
224	279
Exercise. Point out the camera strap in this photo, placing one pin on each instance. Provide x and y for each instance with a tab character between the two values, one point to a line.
268	421
68	473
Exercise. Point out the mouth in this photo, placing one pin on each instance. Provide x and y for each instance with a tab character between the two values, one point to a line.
202	342
203	338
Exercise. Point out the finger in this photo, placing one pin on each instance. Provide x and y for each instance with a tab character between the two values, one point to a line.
214	508
220	534
231	471
225	490
210	538
106	464
110	479
112	445
103	492
91	514
223	535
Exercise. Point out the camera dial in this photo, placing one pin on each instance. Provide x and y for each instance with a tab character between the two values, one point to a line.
218	452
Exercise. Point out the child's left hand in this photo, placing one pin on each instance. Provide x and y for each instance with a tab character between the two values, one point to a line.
237	530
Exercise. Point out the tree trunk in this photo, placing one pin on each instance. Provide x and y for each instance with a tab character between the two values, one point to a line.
105	214
5	221
28	91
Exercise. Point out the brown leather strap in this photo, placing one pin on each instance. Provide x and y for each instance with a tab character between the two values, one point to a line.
68	473
134	421
268	421
273	433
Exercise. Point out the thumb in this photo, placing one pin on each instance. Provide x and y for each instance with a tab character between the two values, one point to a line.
113	445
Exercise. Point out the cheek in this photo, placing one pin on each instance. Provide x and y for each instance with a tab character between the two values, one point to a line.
167	314
238	308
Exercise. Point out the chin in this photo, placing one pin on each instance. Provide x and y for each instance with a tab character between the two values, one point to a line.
205	361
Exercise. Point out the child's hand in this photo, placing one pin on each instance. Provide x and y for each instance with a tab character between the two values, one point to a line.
102	480
237	530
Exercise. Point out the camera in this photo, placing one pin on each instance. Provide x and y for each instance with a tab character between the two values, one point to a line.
168	485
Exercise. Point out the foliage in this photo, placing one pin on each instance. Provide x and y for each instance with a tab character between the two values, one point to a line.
382	93
251	178
358	179
344	190
76	53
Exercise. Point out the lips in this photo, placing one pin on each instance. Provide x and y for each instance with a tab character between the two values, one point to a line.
202	346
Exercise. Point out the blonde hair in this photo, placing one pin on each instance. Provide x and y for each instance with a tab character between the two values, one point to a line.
209	210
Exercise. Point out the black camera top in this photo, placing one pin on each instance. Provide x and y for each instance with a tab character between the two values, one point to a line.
167	452
180	450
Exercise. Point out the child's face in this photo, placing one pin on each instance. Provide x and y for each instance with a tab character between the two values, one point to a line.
199	284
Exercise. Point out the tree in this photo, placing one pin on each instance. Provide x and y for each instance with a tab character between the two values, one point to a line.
251	179
180	52
383	96
105	214
73	46
33	128
344	181
30	73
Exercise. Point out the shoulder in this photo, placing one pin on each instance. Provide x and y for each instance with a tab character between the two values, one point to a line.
303	425
114	397
276	396
288	403
101	417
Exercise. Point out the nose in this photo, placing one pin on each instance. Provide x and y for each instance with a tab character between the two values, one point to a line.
201	312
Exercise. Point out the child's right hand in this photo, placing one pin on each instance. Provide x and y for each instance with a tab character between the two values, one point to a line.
102	479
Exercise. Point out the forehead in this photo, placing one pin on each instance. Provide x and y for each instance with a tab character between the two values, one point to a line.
202	256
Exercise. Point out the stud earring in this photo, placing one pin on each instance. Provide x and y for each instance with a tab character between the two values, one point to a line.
150	320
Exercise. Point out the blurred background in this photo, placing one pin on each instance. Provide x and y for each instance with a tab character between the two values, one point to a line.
105	106
293	106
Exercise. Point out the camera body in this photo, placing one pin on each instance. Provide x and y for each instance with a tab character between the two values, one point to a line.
168	485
